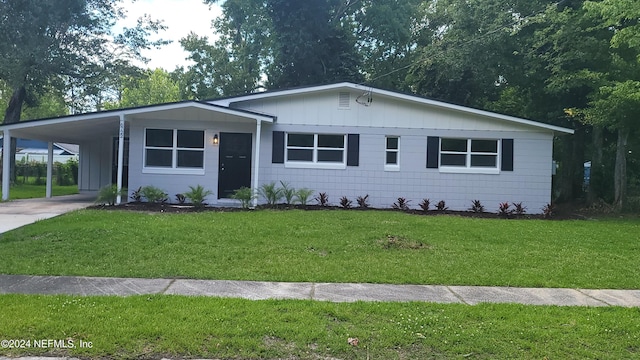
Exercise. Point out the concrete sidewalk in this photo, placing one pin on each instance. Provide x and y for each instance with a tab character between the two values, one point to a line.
17	213
334	292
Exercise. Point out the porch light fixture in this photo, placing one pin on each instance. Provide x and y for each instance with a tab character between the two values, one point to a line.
215	139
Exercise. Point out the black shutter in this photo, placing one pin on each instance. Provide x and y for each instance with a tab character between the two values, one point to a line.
277	150
433	152
353	149
507	155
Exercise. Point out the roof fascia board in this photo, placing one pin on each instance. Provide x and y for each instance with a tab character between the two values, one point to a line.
59	120
396	95
200	105
141	110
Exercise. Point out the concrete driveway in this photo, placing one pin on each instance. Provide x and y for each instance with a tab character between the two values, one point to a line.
17	213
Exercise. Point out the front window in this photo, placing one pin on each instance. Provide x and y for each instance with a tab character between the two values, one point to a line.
315	149
392	153
174	149
469	153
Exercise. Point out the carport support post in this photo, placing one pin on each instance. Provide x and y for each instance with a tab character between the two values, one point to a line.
120	158
256	165
6	160
49	169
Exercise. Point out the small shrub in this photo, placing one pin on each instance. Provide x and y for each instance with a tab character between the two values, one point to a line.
519	209
345	203
154	194
245	195
197	195
504	209
548	210
109	194
288	193
476	206
180	198
441	206
363	201
401	204
270	193
322	199
425	204
303	195
136	195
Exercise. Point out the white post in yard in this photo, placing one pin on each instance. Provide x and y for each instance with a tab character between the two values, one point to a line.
256	160
6	160
49	169
120	158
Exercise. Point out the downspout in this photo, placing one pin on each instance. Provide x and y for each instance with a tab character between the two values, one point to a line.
6	160
256	165
120	159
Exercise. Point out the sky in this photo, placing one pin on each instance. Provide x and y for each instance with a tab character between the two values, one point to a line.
181	17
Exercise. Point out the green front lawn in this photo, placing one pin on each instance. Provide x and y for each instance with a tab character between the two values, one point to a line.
32	191
330	246
172	326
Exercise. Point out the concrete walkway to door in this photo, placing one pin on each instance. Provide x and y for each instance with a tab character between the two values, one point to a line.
17	213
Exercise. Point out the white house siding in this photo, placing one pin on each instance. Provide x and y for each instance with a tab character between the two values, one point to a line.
529	182
174	184
94	165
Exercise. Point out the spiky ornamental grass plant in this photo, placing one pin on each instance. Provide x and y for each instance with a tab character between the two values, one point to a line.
288	192
245	195
197	195
303	195
109	194
271	193
363	201
154	194
425	204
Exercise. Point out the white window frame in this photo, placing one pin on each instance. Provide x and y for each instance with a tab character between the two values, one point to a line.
314	164
468	153
174	169
387	166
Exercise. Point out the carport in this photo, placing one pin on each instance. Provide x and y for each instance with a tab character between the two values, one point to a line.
94	133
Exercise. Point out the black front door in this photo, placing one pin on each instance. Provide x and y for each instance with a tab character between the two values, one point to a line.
234	167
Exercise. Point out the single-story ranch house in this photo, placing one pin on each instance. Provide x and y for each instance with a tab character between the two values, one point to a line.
343	139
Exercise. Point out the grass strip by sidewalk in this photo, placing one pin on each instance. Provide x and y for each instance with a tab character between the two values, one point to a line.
329	246
154	326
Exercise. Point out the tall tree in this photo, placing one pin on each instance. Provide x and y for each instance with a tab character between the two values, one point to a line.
617	103
236	62
311	44
279	43
44	40
562	47
467	47
154	87
388	33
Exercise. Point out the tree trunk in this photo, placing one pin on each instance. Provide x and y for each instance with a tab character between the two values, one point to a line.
571	174
595	180
12	116
620	172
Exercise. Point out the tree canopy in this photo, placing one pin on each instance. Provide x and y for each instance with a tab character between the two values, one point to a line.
572	63
57	41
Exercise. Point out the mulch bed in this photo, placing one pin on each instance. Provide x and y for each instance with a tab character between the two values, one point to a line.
564	212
